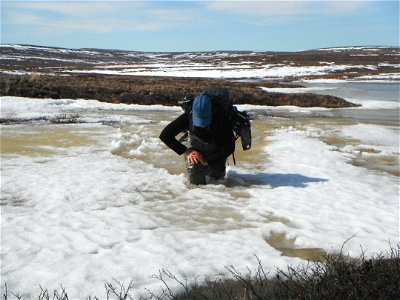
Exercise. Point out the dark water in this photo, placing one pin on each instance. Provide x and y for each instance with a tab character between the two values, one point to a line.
380	101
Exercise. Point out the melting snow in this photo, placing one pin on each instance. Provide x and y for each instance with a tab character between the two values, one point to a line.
116	204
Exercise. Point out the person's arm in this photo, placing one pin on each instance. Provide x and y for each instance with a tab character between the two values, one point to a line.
169	133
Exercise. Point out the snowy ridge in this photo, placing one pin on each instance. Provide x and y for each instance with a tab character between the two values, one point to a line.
352	48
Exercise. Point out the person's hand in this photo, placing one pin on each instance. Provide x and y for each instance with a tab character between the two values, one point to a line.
195	157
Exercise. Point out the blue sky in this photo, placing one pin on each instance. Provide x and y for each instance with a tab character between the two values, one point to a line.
201	25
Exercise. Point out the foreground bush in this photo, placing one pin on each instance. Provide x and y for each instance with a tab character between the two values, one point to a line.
334	276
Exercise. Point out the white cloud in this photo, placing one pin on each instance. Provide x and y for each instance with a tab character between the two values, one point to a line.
65	8
110	16
286	8
94	16
100	26
22	19
172	15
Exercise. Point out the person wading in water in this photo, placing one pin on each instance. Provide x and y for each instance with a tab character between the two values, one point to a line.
211	137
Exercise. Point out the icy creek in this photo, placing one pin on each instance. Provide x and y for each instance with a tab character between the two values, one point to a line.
86	203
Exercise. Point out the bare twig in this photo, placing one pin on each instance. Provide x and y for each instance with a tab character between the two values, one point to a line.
123	293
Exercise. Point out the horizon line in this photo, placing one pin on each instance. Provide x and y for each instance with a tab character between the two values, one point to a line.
198	51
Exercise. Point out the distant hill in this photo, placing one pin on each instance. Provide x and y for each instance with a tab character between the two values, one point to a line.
360	63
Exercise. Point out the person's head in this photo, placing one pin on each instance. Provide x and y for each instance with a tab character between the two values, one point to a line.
202	111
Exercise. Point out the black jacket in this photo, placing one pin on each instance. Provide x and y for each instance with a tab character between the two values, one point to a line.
221	134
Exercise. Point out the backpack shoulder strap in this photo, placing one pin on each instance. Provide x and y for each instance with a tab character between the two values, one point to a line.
186	104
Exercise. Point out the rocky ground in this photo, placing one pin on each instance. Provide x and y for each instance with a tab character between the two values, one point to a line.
43	72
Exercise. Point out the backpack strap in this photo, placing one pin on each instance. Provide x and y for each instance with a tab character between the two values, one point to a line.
233	157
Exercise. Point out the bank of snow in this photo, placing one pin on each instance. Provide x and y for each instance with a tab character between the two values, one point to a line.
341	200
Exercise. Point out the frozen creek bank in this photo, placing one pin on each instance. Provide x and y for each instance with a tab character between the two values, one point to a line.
84	203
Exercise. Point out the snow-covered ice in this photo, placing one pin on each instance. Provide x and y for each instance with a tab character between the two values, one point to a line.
294	90
370	95
82	204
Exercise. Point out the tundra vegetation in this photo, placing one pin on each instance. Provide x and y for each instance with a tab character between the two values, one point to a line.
155	90
330	276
